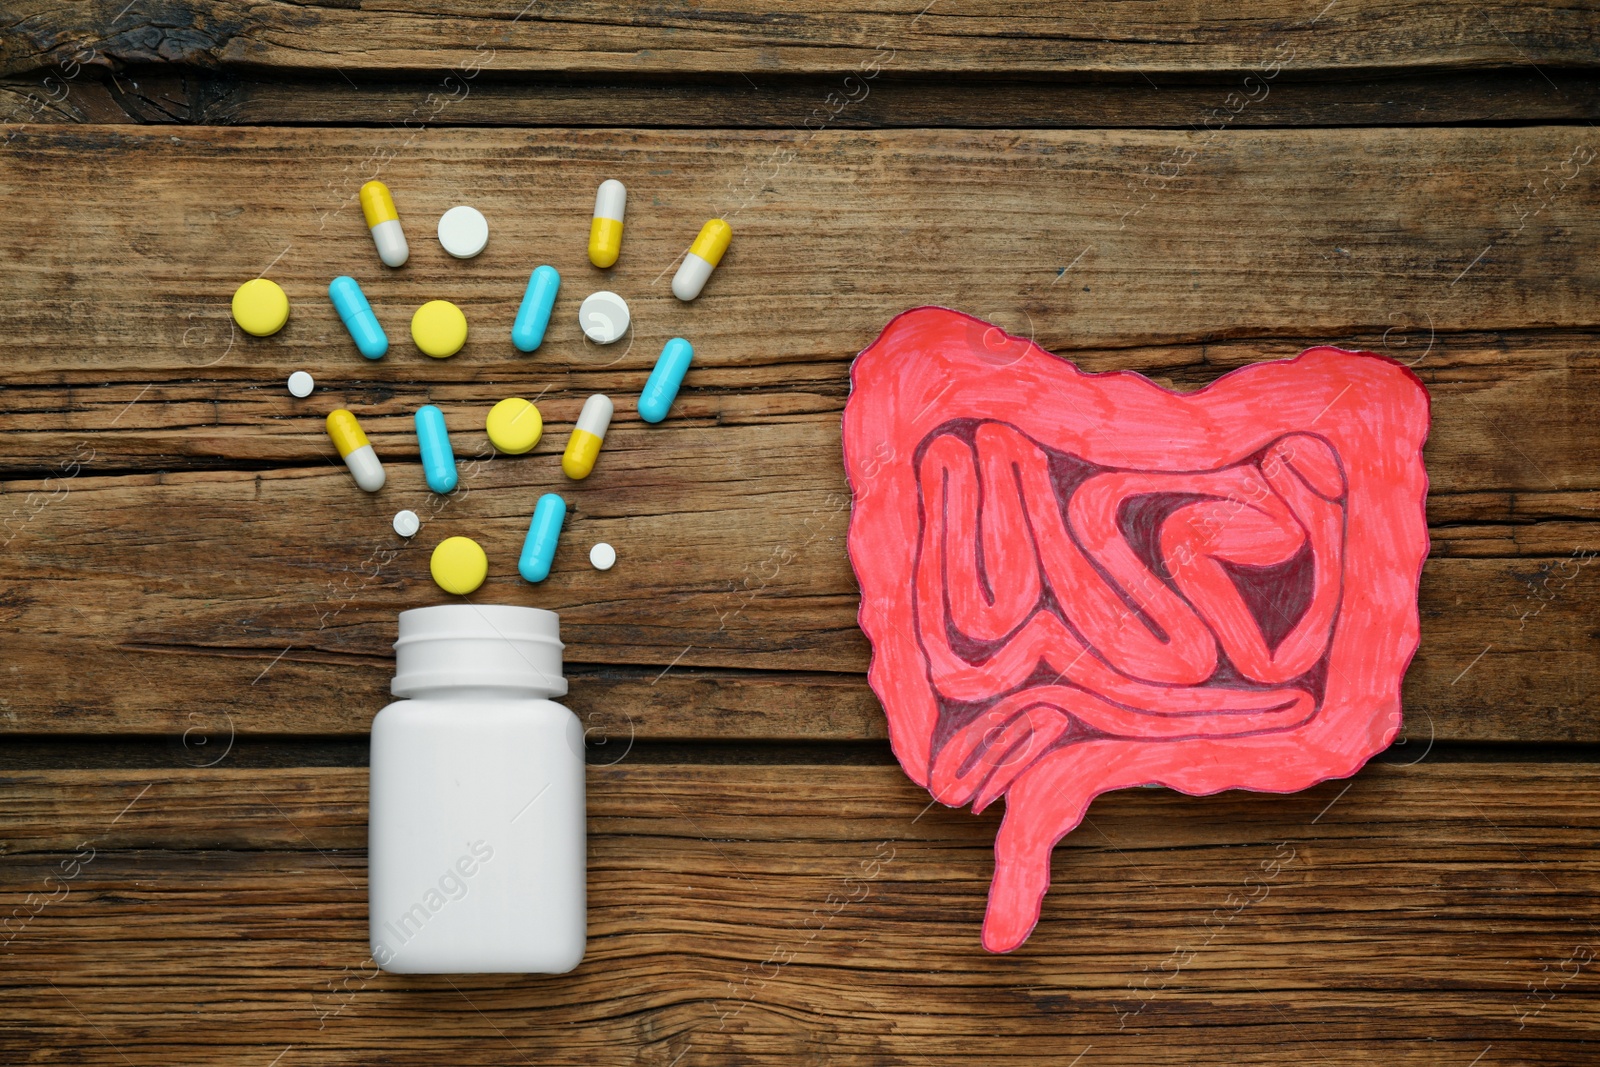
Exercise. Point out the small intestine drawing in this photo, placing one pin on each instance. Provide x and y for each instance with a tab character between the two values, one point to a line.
1075	583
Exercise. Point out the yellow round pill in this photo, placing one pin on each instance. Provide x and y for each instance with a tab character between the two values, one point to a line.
515	426
459	565
439	328
260	307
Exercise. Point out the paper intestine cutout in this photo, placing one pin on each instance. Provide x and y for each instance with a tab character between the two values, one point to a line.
1076	582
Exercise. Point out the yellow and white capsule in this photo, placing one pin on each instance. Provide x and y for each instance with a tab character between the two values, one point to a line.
384	222
703	257
356	450
605	232
583	447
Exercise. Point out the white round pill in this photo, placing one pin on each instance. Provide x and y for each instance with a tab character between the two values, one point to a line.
603	556
463	231
603	316
301	384
406	523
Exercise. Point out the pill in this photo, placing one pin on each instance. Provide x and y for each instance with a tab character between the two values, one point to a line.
463	231
605	232
533	317
356	450
603	316
406	523
439	328
438	461
603	557
351	304
544	532
459	565
514	426
703	256
663	383
260	307
384	222
583	447
301	384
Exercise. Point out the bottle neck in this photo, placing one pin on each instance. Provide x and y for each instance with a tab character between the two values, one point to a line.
479	693
499	651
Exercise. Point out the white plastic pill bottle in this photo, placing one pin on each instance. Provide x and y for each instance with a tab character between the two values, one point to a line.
476	840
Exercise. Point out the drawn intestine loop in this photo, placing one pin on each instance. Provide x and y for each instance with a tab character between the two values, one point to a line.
1140	605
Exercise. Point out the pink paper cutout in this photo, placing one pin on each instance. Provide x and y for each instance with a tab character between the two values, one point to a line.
1206	591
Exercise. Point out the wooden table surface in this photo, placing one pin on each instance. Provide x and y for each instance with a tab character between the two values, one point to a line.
196	607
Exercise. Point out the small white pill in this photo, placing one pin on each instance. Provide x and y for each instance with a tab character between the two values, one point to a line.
301	383
603	316
406	523
603	556
463	231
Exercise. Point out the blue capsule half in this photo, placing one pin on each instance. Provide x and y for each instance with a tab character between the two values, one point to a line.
438	460
527	333
662	388
351	303
539	550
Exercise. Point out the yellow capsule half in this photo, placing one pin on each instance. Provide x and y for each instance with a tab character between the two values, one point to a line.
712	241
346	432
583	448
377	204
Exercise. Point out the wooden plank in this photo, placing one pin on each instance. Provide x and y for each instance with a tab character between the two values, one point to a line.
822	36
1350	231
157	95
781	913
730	520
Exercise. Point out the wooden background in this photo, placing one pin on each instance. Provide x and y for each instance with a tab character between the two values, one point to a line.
196	607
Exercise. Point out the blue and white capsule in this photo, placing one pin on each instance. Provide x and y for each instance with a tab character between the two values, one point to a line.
433	440
351	304
533	317
544	533
662	388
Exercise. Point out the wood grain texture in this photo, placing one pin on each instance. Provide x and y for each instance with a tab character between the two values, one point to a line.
752	915
819	36
1081	239
264	598
1333	98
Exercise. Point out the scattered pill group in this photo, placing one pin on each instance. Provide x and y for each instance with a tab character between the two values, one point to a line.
533	317
356	450
384	221
605	232
583	447
701	259
662	387
433	441
459	565
260	307
356	314
544	533
439	328
514	426
463	231
603	316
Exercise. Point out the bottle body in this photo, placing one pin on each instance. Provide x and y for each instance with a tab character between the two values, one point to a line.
477	852
476	842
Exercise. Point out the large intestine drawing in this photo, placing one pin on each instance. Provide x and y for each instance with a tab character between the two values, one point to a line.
1075	583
